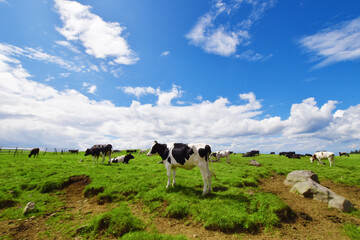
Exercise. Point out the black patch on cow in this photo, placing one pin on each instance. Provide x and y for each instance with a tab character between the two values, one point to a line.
161	149
169	160
127	158
181	152
204	152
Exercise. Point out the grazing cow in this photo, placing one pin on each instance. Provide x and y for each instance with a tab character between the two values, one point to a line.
96	150
185	156
248	154
131	151
222	154
141	151
272	153
34	152
344	154
74	151
122	159
323	155
298	156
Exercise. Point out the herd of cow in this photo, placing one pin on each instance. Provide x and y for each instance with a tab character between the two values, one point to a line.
188	156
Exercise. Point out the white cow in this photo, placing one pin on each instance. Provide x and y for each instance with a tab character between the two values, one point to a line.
323	155
185	156
222	154
141	151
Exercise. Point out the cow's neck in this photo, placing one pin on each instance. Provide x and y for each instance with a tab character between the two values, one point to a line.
163	151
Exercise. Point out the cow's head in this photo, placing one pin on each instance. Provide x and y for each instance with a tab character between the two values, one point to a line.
87	152
154	149
312	158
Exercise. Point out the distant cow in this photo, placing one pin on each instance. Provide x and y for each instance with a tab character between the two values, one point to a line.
96	150
222	154
344	154
255	152
272	153
323	155
131	151
248	154
185	156
34	152
122	159
141	151
74	151
298	156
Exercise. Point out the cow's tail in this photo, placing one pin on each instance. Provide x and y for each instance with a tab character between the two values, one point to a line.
207	158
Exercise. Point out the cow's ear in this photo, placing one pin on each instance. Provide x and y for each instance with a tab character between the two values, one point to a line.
155	142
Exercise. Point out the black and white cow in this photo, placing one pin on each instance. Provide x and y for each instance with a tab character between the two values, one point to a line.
96	150
323	155
122	159
185	156
141	151
222	154
34	152
344	154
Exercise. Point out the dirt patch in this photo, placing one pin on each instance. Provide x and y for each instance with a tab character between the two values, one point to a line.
77	209
314	220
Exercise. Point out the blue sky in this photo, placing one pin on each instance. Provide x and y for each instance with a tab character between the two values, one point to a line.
271	75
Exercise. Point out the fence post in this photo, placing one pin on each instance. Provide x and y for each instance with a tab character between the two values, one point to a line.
15	151
45	152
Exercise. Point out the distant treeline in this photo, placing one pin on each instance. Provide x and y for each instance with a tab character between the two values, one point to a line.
355	152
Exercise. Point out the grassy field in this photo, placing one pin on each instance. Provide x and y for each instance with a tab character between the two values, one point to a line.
235	205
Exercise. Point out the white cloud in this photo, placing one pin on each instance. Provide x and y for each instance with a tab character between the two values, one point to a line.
38	55
220	39
335	44
165	53
252	56
138	91
34	114
100	39
90	88
68	45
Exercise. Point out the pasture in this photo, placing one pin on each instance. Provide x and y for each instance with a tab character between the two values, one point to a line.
129	201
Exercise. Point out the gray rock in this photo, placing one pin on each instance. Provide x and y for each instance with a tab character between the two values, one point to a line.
253	162
306	184
314	190
341	204
29	207
300	176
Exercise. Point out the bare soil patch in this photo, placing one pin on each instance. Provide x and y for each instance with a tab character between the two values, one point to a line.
76	206
314	220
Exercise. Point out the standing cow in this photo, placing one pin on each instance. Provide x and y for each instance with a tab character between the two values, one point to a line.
185	156
34	152
323	155
222	154
96	150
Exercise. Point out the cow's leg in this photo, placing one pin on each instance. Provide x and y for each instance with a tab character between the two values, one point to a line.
227	157
206	175
168	172
174	174
93	159
109	158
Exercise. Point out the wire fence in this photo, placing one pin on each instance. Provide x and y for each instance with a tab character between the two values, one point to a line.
11	150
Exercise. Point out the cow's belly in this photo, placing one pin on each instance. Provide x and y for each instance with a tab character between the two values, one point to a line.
187	166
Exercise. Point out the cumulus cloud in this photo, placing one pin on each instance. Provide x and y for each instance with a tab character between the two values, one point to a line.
138	91
224	39
335	44
101	39
34	114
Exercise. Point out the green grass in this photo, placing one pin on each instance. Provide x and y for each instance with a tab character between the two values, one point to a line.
235	204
